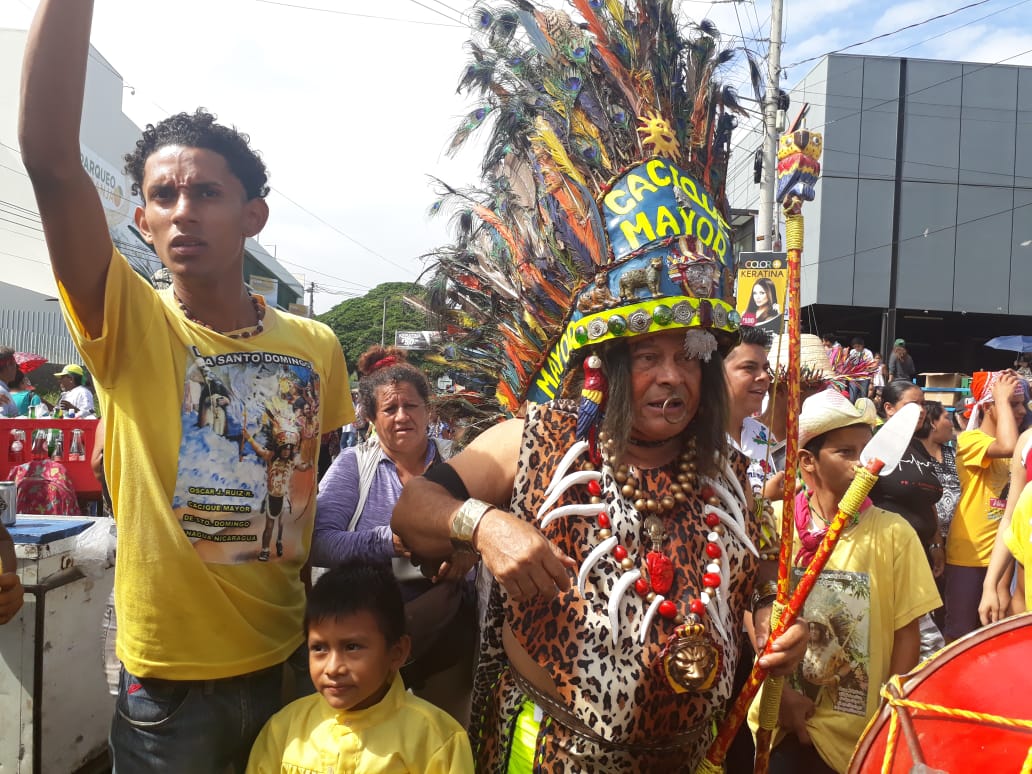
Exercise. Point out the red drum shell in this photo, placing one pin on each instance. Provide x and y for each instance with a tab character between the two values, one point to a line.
988	671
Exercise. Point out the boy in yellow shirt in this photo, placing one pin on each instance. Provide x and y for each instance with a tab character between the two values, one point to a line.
362	719
863	611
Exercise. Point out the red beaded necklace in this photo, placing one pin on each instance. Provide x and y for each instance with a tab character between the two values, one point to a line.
690	658
259	311
657	571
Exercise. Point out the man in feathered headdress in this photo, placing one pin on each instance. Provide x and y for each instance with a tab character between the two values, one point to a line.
615	526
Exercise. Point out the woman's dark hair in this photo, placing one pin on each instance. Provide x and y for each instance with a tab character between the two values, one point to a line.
710	422
933	413
894	391
356	587
18	380
768	287
199	130
379	366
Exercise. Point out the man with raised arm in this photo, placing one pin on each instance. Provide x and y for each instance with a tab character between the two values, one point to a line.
206	620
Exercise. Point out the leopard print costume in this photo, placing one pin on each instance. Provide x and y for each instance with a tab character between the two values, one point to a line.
629	718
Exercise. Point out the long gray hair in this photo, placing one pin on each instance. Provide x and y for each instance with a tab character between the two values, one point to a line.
708	427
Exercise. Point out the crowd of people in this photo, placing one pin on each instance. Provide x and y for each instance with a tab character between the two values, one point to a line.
582	588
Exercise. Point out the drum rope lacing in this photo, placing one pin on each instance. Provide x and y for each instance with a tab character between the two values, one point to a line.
892	692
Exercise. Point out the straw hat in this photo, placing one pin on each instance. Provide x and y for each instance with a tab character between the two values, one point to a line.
814	366
829	410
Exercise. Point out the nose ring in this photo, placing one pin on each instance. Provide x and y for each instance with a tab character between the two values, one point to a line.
676	420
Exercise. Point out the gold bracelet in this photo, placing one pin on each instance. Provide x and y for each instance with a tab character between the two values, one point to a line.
466	521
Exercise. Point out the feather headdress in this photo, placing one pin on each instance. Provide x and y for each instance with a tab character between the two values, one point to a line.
601	213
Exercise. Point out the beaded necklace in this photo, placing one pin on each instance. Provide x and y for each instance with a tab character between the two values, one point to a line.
259	311
690	658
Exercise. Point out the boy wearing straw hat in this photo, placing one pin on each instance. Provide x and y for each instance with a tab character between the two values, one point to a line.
863	611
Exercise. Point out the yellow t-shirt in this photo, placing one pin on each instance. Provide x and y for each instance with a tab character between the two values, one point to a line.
978	514
877	580
199	428
1018	537
401	733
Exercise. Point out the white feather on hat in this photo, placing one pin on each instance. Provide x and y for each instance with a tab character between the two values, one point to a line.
829	410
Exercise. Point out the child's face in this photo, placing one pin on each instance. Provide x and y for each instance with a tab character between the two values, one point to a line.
834	467
350	662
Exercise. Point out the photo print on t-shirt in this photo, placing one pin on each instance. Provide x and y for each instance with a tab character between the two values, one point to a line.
836	667
246	480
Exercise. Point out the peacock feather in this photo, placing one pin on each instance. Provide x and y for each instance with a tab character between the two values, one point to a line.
566	102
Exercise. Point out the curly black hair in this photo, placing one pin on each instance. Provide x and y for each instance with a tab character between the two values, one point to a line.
200	131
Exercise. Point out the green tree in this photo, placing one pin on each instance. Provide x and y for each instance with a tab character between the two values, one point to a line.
357	321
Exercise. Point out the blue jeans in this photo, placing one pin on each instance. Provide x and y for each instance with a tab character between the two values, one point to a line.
197	726
858	389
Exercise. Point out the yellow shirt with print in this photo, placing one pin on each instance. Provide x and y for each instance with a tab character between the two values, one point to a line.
884	555
980	508
194	601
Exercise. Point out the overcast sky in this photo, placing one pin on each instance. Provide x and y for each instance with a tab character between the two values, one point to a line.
352	114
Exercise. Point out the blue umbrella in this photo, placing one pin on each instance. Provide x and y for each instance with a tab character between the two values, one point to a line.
1011	343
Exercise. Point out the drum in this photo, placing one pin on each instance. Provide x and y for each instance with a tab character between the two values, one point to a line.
967	708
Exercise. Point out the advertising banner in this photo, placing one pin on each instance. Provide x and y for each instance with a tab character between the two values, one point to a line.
762	280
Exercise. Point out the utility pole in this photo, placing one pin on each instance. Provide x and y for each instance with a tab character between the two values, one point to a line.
765	225
311	299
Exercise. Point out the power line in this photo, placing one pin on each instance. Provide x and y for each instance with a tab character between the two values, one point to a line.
924	234
963	74
340	231
889	34
455	10
434	10
332	277
359	15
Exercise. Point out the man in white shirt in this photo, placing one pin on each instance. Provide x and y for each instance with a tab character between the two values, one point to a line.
74	396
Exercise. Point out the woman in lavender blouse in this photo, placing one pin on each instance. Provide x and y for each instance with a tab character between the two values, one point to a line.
357	496
394	396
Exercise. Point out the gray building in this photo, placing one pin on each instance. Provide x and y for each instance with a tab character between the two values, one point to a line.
922	225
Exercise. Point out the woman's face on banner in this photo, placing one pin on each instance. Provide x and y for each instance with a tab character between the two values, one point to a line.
760	295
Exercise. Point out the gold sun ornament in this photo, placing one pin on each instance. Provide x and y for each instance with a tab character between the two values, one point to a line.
655	131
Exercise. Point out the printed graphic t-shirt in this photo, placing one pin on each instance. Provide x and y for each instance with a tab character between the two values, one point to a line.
876	581
982	479
212	477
